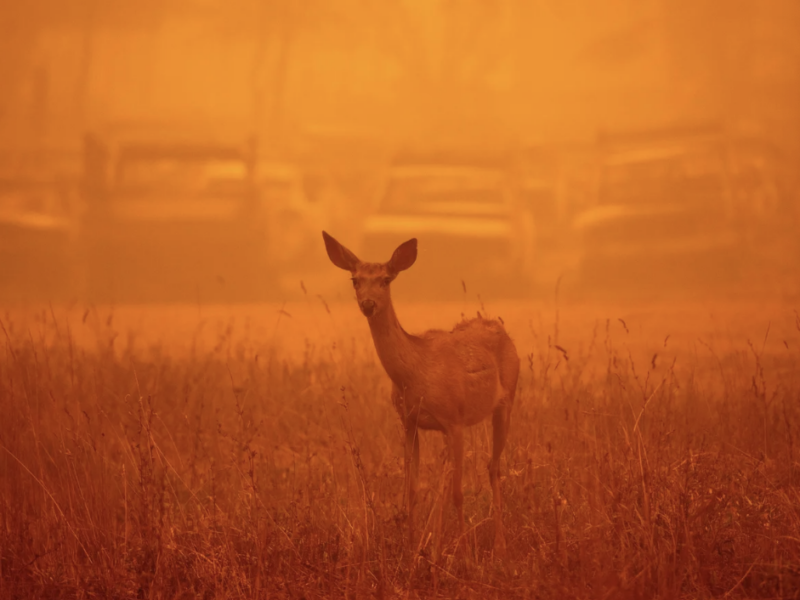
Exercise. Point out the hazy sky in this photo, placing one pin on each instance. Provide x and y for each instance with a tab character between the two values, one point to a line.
539	70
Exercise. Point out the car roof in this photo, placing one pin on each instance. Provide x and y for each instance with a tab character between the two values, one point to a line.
446	171
653	154
180	151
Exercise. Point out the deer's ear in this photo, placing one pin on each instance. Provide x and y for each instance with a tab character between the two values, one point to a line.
404	256
339	255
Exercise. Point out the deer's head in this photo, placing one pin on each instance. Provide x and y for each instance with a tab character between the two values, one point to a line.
371	280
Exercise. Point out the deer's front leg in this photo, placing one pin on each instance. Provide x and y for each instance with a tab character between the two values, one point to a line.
456	436
412	474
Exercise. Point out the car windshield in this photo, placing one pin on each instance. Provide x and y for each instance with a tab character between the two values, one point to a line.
202	177
37	197
686	176
443	195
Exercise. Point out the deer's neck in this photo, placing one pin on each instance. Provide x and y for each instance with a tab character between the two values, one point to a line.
398	351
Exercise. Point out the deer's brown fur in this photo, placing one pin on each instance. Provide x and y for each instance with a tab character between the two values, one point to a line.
441	380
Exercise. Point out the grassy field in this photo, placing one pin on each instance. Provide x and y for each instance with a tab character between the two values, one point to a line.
252	452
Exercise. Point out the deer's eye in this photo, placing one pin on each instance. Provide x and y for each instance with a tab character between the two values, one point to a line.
355	282
386	281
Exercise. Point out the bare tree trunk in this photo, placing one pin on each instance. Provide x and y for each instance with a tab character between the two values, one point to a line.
268	106
17	39
285	39
256	78
38	115
87	58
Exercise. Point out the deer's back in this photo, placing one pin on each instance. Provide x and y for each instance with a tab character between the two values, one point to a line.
468	372
478	341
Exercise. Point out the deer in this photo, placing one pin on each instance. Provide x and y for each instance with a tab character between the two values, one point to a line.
441	380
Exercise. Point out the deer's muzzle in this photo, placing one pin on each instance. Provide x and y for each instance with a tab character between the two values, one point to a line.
367	307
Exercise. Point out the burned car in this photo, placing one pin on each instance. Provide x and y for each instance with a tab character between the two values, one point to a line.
172	221
469	227
664	216
295	218
37	239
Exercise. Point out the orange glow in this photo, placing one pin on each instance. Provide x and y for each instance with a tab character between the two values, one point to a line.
192	403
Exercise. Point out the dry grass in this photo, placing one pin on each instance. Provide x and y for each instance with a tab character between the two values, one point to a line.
268	463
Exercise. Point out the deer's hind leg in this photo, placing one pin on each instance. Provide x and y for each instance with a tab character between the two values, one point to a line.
500	423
